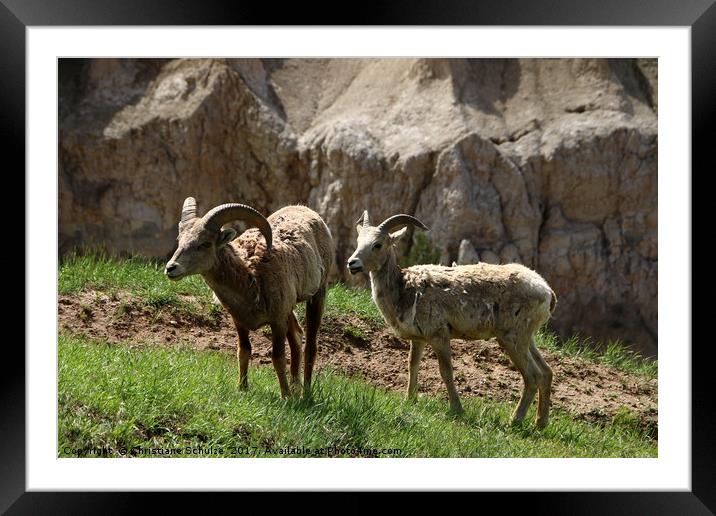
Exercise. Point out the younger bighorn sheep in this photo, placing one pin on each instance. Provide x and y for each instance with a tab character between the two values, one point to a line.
432	304
260	276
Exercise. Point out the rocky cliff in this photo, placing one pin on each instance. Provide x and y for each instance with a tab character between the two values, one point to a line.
549	162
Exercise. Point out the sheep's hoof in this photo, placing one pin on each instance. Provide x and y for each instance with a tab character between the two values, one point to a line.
296	389
541	423
243	386
457	411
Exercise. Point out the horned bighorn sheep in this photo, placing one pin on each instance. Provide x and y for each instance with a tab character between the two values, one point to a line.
432	304
260	276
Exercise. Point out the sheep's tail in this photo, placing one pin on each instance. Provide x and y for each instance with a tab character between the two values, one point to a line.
553	301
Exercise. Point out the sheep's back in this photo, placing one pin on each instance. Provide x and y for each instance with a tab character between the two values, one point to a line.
476	300
301	254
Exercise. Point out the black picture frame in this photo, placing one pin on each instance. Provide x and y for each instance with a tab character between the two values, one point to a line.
17	15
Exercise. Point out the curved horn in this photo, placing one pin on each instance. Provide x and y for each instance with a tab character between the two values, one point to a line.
364	219
400	220
232	211
188	211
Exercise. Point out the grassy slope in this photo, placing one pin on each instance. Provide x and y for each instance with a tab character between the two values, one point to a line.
125	396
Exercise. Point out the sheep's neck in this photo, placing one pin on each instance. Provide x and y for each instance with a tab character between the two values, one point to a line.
235	286
386	284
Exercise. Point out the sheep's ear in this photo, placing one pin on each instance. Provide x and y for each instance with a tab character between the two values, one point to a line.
226	236
395	237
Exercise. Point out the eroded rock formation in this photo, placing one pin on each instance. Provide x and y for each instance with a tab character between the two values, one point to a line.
550	162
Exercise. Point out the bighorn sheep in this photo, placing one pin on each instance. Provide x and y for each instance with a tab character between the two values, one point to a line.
432	304
260	276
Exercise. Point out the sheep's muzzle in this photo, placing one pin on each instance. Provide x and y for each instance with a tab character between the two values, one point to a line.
355	266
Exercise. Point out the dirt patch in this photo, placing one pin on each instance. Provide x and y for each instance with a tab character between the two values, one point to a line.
588	390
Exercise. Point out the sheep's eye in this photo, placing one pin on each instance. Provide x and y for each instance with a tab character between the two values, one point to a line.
205	245
377	246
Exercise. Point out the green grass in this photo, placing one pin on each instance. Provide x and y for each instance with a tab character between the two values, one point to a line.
144	279
125	397
614	354
342	301
354	332
139	276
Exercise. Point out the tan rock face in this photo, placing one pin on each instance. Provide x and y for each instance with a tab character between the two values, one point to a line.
549	162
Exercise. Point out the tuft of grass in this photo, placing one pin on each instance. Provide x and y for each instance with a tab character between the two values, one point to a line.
421	251
618	356
615	353
214	313
85	313
123	310
355	332
342	300
131	400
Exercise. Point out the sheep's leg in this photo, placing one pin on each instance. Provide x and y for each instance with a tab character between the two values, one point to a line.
545	386
416	352
314	312
443	352
243	353
278	355
519	352
294	335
